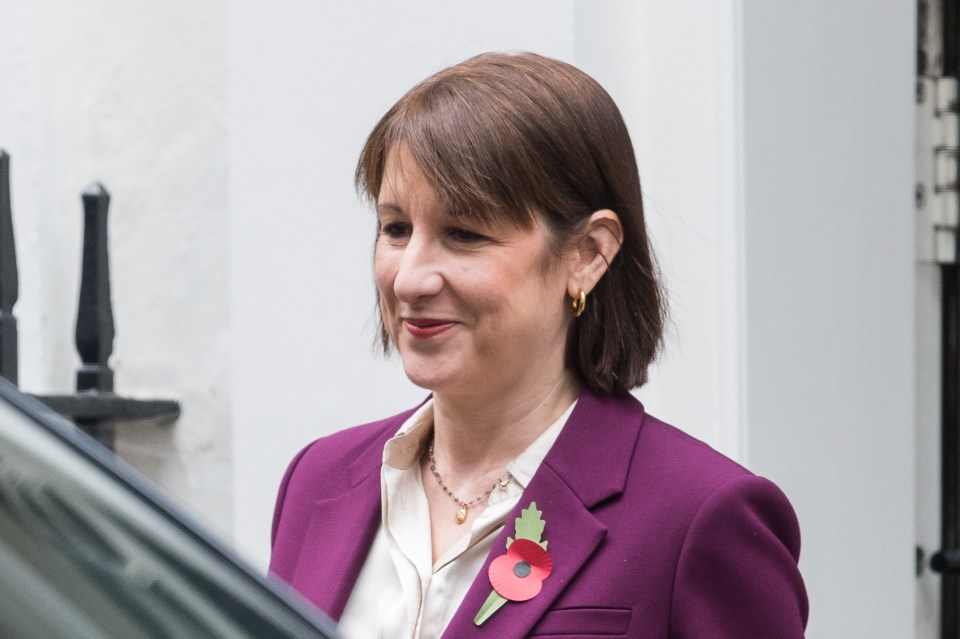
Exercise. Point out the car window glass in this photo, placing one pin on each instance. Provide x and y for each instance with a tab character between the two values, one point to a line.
82	555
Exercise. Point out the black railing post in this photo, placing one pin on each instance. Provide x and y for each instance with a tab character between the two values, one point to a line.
9	286
94	407
950	436
95	330
950	451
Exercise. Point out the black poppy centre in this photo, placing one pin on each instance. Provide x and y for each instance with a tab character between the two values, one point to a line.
522	569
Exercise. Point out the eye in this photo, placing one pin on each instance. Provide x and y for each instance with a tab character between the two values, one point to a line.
465	236
395	230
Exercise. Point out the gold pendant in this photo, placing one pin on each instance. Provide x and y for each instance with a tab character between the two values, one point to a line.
461	514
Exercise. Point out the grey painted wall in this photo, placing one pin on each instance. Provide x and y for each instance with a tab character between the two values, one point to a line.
829	292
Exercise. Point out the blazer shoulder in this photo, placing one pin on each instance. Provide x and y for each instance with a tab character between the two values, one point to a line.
747	533
630	450
736	573
683	470
684	454
330	465
355	449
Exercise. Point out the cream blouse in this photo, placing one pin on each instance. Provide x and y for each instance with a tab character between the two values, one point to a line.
399	593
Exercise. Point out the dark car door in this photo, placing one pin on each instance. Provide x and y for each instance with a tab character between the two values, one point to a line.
89	550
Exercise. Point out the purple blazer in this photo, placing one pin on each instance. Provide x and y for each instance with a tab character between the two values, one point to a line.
653	534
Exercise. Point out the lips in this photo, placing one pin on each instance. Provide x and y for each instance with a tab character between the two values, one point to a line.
425	328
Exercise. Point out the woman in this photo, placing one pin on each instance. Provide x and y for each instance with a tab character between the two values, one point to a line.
530	494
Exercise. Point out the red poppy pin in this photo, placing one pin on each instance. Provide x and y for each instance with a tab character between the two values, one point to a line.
518	574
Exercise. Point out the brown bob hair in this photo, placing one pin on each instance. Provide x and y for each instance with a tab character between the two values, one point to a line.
520	137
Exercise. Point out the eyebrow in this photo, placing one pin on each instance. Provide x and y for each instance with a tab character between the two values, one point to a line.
388	207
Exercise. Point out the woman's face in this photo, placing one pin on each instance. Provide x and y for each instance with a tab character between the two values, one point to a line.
472	309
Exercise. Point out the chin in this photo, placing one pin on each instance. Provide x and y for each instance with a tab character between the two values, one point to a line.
428	382
429	376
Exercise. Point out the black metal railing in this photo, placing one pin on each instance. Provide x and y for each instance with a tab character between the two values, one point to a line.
95	408
9	287
946	561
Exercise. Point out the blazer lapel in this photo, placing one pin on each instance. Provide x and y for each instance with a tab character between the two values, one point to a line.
572	534
341	531
588	464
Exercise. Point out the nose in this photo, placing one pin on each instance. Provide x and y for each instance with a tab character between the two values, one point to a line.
419	270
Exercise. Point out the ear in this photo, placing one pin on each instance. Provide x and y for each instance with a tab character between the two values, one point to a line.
598	244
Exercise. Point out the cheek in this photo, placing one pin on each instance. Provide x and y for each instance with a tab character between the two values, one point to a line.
519	299
383	279
384	273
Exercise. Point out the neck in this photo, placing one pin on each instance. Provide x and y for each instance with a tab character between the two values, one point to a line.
474	436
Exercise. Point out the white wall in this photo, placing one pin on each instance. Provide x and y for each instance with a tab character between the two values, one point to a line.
828	246
132	94
673	70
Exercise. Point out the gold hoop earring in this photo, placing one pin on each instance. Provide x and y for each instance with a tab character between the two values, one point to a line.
579	303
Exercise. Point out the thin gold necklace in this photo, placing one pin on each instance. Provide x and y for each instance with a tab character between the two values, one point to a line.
461	515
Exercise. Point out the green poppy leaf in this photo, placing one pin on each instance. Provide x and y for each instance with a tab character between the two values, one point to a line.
529	525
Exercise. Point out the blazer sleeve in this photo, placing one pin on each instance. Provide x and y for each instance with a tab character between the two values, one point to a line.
282	495
737	573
